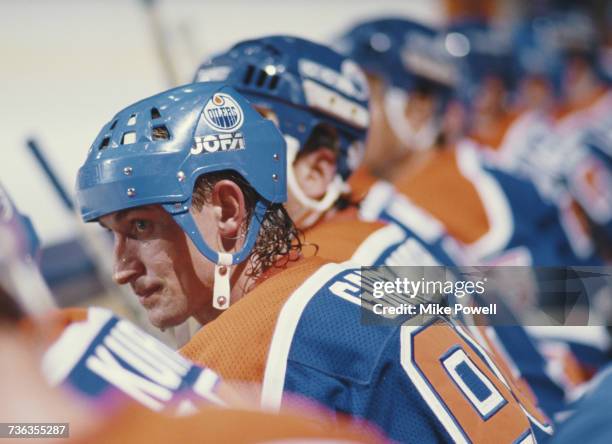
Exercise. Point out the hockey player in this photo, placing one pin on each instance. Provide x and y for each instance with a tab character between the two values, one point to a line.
582	123
570	161
287	97
117	384
319	99
469	198
411	78
293	325
560	51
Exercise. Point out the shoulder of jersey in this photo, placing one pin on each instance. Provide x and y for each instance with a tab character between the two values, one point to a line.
338	240
107	359
322	320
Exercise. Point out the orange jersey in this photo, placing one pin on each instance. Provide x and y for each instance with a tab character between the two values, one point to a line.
366	243
593	110
300	333
237	342
443	189
379	201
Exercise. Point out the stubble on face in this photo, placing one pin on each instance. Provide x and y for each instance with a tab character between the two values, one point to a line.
172	281
187	279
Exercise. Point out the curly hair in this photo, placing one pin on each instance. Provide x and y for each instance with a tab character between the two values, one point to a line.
278	235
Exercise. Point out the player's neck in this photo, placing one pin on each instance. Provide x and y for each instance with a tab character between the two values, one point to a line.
583	94
241	282
489	128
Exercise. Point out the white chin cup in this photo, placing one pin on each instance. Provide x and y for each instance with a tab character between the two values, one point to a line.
313	209
221	287
396	101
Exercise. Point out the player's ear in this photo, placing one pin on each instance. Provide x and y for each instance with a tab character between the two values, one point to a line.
230	210
315	171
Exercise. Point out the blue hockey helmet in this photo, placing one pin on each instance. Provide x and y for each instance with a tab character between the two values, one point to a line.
19	255
482	51
409	57
402	52
305	84
576	34
153	152
537	52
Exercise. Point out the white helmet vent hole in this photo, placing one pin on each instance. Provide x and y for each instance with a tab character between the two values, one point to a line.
128	138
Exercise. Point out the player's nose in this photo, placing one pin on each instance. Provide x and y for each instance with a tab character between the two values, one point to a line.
127	264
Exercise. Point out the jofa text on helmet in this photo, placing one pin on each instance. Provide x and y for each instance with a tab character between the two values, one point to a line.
215	142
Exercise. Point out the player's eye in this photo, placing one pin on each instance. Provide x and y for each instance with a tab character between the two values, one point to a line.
141	227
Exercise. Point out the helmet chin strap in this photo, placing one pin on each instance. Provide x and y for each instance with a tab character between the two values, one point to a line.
313	209
222	260
395	108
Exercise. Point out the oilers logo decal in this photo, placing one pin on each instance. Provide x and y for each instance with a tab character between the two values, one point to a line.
223	113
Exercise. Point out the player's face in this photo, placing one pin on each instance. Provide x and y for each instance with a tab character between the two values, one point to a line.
172	280
491	95
313	172
535	93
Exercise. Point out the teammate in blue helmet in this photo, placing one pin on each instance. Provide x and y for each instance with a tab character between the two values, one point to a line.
488	72
486	51
539	62
178	178
318	99
411	78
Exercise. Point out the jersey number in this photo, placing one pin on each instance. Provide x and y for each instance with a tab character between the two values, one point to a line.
464	392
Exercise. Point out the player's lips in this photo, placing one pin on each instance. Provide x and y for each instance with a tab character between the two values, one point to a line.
145	292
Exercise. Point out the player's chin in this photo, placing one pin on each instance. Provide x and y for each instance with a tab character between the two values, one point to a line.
164	318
